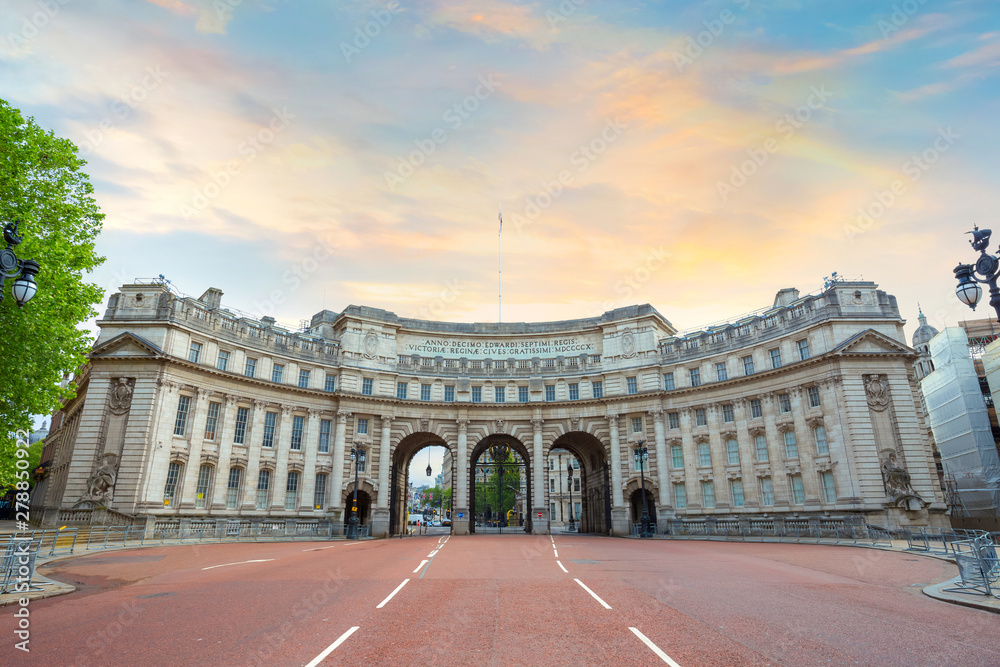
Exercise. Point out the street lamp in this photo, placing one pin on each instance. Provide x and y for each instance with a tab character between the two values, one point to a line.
985	270
569	483
10	266
641	454
358	456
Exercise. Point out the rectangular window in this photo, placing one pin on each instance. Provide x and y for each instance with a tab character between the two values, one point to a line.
736	489
477	394
263	488
747	365
362	426
240	435
704	455
637	424
499	394
366	386
194	353
319	495
798	492
324	436
784	403
425	392
822	447
552	485
766	492
303	378
401	390
270	420
755	410
695	375
680	496
760	442
597	388
576	483
173	472
550	392
223	362
292	492
233	488
276	372
803	349
201	491
791	445
330	384
250	368
720	371
668	381
298	421
631	385
212	421
829	490
733	451
449	393
677	457
574	391
700	417
708	493
727	413
814	397
673	420
775	357
180	423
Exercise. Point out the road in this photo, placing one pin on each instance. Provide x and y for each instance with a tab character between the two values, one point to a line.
502	600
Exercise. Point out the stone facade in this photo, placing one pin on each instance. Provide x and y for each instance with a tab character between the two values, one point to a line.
809	407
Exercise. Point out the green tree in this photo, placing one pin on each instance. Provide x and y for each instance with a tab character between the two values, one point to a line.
42	186
494	487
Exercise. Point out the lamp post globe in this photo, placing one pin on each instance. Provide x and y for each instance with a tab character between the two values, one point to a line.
358	457
23	270
986	270
569	483
641	454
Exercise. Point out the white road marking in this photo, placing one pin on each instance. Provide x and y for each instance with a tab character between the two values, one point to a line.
422	563
431	554
212	567
593	594
556	551
329	649
563	568
656	649
385	601
348	544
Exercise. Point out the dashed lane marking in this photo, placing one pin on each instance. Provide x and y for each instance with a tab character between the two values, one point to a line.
348	544
212	567
559	563
386	601
422	563
592	594
656	649
431	554
556	552
329	649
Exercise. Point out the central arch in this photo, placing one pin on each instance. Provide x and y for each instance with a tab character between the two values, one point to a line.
519	450
595	480
401	457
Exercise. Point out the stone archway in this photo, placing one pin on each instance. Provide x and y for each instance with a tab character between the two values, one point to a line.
526	521
633	491
403	453
365	494
595	480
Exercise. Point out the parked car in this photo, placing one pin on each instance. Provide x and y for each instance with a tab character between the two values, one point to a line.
446	522
436	523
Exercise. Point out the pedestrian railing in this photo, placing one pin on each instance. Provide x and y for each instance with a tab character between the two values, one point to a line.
937	541
978	566
18	565
826	531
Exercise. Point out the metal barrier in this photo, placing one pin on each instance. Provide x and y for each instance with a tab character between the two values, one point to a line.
18	565
827	531
978	566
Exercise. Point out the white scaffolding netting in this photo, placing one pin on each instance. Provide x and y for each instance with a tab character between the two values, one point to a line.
961	426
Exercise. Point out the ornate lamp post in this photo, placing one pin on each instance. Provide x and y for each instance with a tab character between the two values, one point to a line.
358	456
569	483
10	266
499	455
641	454
985	270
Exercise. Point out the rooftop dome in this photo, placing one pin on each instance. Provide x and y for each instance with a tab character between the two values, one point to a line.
924	332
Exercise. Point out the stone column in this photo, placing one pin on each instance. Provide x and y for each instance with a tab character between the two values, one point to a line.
460	499
337	473
308	481
662	474
283	444
619	513
539	526
228	418
187	488
249	501
380	513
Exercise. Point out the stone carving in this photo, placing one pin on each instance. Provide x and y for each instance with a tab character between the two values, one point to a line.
897	484
878	397
370	345
498	426
100	484
121	396
574	423
628	344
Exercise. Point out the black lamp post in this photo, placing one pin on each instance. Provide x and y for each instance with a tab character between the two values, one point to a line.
985	270
11	266
569	483
641	454
358	456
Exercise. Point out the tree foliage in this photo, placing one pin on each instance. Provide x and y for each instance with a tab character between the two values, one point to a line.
493	488
42	185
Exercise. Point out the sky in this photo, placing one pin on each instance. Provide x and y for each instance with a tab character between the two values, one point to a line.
698	156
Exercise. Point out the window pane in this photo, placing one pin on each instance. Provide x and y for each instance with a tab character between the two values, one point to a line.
680	496
695	374
766	491
303	379
180	423
798	492
760	442
401	388
736	487
324	436
298	421
822	448
784	403
597	388
704	455
727	413
499	394
331	382
319	496
223	362
263	488
250	369
814	397
791	445
292	492
212	422
677	456
720	372
550	392
201	492
674	420
270	419
632	385
829	491
276	372
574	391
194	353
425	392
240	435
173	471
733	451
366	386
449	393
708	494
668	381
700	417
755	410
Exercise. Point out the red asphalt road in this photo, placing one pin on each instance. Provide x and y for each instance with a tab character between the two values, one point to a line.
502	600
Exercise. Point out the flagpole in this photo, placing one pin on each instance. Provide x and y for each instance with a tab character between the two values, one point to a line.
500	266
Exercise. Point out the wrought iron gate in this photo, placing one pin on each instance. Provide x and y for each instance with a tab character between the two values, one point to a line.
500	502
